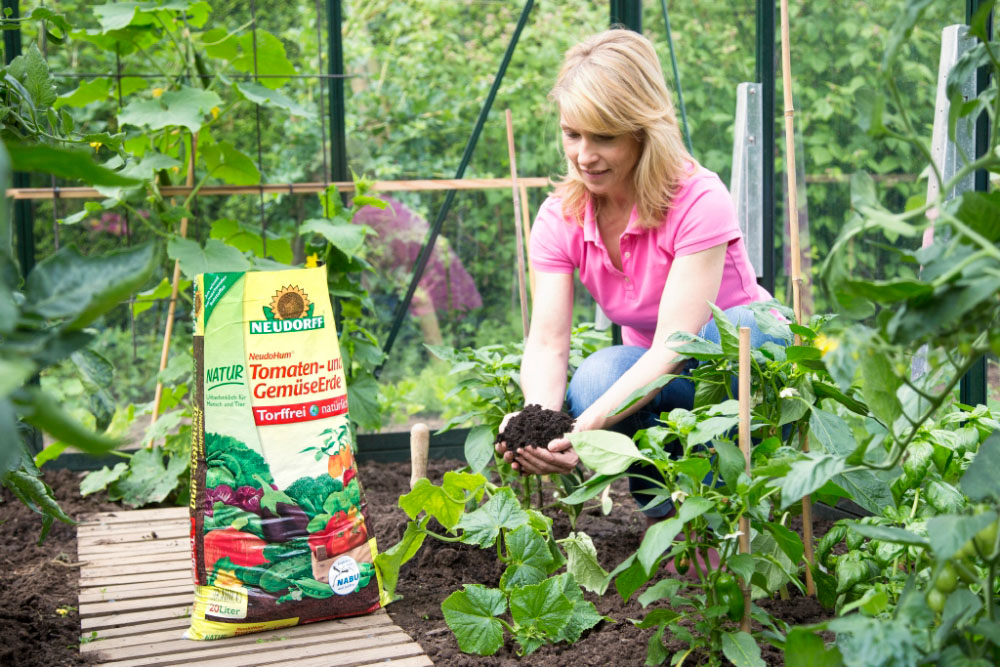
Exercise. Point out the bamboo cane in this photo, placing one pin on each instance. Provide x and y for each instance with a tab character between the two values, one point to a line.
795	251
420	437
172	306
744	403
518	236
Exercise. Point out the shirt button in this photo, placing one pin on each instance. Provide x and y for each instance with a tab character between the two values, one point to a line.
627	255
626	279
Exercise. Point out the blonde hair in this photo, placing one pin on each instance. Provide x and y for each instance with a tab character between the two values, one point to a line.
612	83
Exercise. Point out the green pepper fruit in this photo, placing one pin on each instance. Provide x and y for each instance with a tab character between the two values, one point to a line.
682	564
947	579
730	595
986	539
936	600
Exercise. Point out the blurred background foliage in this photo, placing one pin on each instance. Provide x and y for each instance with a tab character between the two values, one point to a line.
419	71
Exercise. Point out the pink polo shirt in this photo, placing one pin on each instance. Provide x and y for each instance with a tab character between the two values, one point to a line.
702	216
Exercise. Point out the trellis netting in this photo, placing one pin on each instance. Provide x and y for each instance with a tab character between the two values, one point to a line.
279	534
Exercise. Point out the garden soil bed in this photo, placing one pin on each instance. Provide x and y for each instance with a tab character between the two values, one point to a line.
38	584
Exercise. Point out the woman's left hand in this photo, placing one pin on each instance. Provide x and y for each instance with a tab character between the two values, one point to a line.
558	458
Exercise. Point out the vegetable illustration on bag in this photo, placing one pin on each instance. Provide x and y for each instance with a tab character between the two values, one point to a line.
279	531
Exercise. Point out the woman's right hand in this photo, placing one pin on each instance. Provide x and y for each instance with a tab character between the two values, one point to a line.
501	446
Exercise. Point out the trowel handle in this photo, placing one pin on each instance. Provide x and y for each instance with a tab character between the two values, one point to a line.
420	438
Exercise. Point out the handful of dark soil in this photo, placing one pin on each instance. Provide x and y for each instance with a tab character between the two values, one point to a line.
535	425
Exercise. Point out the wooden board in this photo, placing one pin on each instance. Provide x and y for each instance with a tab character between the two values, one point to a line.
135	603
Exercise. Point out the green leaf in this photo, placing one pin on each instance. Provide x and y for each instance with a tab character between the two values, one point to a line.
94	367
43	412
31	70
80	289
472	615
50	453
660	536
584	615
215	257
244	239
729	335
606	452
36	494
529	559
664	589
115	15
693	347
149	479
434	500
742	565
262	53
86	93
224	161
482	526
888	534
804	648
185	107
98	480
64	163
266	97
362	396
866	489
807	475
344	236
732	463
879	385
542	608
583	564
14	373
949	533
479	447
389	561
12	448
709	429
851	569
981	481
741	649
788	540
832	432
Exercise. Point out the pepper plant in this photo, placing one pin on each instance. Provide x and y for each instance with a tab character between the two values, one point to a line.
544	607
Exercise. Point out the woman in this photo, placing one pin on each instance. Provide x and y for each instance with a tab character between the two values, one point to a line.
654	236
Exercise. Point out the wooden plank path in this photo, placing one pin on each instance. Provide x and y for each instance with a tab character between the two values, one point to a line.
135	603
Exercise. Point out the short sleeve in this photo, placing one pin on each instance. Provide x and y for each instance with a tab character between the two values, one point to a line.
551	236
705	217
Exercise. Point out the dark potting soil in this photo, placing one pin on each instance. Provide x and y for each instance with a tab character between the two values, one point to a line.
39	623
441	568
535	425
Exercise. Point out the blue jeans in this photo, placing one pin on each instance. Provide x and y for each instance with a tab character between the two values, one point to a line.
603	368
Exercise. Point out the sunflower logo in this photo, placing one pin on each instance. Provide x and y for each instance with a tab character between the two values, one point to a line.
289	303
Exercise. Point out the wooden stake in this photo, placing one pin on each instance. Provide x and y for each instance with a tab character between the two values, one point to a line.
744	403
796	252
172	306
420	438
526	225
518	236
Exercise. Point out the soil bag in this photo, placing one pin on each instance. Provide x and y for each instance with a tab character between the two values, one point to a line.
279	534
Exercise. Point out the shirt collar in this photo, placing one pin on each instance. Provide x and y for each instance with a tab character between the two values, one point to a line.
593	235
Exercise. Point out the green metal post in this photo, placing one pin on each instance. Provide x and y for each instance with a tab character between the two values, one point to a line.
972	390
470	147
338	118
765	76
628	13
24	228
